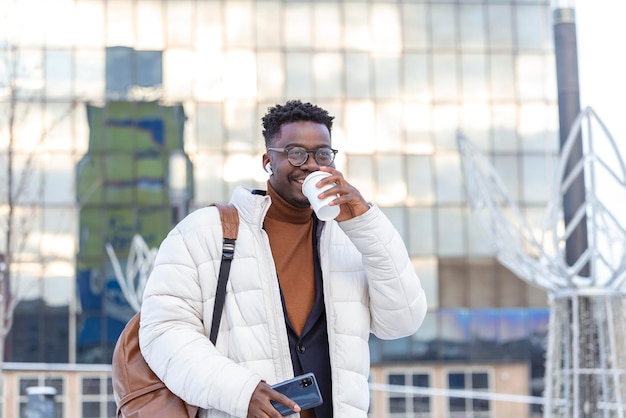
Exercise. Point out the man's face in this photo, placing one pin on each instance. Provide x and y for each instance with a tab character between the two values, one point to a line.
287	179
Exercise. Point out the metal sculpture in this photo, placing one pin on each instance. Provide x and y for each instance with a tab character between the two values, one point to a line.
586	353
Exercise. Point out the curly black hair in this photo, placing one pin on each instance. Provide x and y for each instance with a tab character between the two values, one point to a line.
292	111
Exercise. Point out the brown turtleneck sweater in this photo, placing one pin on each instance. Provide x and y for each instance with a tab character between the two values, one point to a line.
290	231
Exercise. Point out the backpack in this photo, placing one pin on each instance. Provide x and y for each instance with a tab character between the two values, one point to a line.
138	392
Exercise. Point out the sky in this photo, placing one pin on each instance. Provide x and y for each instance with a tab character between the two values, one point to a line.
601	31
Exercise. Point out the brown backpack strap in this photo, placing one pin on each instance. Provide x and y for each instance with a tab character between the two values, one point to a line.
230	220
230	228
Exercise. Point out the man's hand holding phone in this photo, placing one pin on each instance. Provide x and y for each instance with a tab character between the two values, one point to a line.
285	398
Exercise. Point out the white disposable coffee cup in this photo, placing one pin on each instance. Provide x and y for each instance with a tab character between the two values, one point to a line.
320	206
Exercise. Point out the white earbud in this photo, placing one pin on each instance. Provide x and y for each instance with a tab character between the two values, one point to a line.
268	168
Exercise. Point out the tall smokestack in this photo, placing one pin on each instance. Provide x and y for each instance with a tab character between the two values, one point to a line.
565	49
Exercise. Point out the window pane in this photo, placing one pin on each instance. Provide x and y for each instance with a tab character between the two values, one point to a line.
445	77
396	379
480	381
239	23
421	380
387	77
89	24
358	82
298	30
58	71
392	186
474	77
415	26
533	23
89	80
180	14
420	180
397	404
500	26
267	35
91	386
327	73
327	21
443	24
299	75
120	23
149	20
449	181
421	232
271	75
472	27
451	232
416	73
360	170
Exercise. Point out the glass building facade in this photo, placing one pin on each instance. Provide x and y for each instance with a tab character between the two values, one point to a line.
96	94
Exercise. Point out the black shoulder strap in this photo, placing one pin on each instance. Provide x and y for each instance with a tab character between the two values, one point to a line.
230	227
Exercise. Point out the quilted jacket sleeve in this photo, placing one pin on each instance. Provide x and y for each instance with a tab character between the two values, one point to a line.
397	302
172	334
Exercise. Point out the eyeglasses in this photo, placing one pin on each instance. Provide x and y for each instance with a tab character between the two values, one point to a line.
297	156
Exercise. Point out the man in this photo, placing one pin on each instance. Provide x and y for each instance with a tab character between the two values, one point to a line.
303	294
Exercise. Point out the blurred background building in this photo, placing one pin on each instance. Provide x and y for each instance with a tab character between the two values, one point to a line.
96	95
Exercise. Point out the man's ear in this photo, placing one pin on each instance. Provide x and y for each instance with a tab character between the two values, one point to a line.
267	166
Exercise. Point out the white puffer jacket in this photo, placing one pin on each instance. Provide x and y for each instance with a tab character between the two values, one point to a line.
370	285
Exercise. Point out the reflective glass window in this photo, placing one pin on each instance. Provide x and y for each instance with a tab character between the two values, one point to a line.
504	127
359	126
327	73
298	29
422	235
271	75
450	186
179	14
148	19
420	183
328	30
358	73
356	28
210	25
89	74
210	127
445	79
386	31
451	237
387	76
389	136
58	70
415	26
89	24
178	72
484	334
472	27
391	181
418	121
443	26
500	24
502	76
416	77
299	74
120	29
445	126
360	171
454	335
267	35
238	23
533	24
474	77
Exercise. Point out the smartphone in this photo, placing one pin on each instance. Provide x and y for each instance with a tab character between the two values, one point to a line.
302	389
